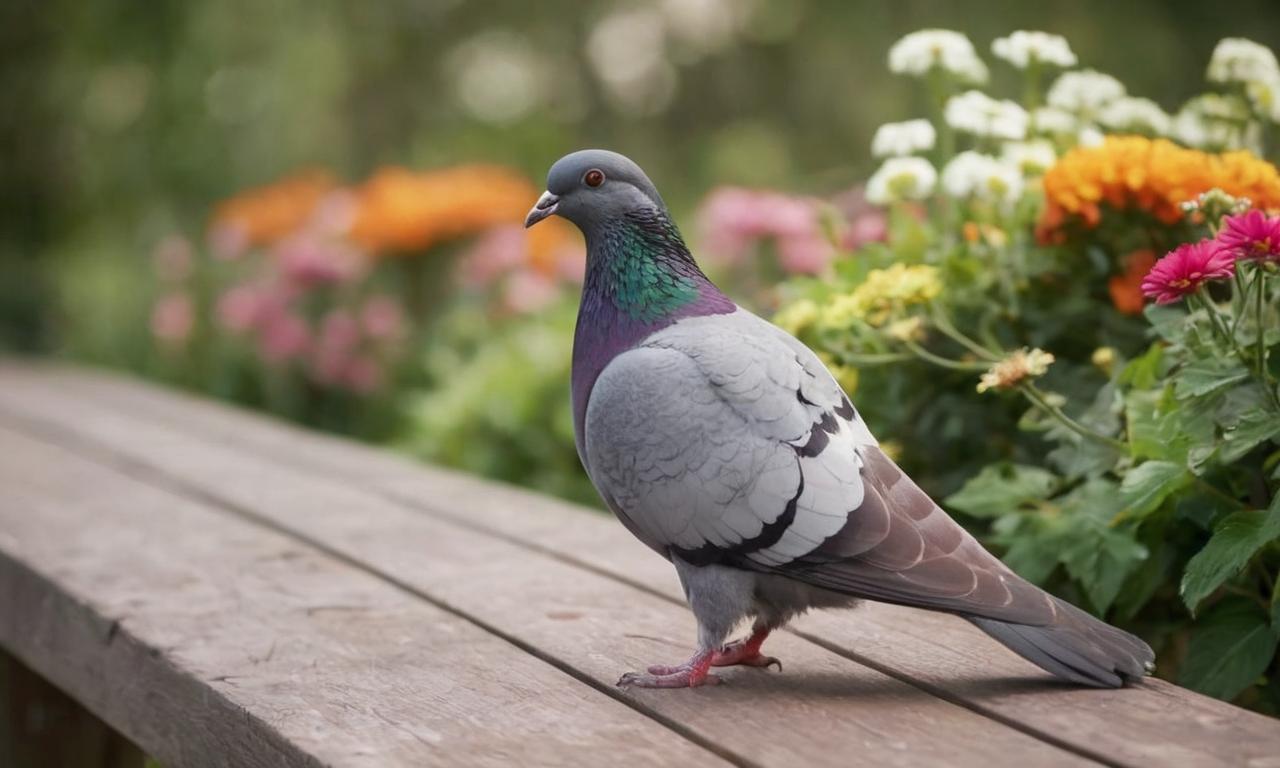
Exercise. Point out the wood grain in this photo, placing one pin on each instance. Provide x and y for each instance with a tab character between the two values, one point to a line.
1155	723
211	641
828	709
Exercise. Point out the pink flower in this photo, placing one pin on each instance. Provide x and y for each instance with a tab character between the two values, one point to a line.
228	242
734	220
528	291
173	317
363	375
1184	269
382	318
173	259
1251	235
238	307
495	253
308	261
339	331
284	335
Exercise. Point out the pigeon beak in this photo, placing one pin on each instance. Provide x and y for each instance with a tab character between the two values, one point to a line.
545	206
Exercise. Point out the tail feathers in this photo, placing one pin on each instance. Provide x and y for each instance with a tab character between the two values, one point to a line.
1076	647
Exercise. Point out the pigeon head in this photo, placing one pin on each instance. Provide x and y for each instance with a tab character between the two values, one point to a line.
592	187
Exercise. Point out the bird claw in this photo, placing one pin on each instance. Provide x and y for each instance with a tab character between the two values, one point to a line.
744	653
684	676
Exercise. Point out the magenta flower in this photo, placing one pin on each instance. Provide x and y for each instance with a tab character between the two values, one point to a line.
284	335
1251	235
1184	269
309	261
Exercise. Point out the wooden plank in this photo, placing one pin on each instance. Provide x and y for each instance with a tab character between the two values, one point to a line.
826	710
42	727
211	641
1155	723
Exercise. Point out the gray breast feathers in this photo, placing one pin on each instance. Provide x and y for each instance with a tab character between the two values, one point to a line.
724	438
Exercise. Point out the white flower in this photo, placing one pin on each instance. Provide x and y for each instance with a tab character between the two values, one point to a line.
1135	114
1265	97
919	52
1212	120
1031	158
977	113
971	174
1023	47
901	178
1236	60
1090	136
905	138
1053	120
1084	91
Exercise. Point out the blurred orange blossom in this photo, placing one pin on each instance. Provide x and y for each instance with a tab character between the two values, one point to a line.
266	214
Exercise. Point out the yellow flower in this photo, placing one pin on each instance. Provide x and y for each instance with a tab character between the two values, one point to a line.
906	329
1016	368
1104	358
882	293
797	316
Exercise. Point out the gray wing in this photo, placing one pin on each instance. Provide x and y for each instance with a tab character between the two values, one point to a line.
725	440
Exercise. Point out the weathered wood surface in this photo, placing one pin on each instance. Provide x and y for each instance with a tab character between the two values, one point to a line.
569	590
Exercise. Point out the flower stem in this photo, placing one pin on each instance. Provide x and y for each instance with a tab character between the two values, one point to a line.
1037	397
927	356
943	323
1264	375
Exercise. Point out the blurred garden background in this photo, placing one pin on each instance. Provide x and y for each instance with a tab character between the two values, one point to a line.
313	208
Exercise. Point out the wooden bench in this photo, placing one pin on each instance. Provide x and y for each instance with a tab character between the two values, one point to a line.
226	590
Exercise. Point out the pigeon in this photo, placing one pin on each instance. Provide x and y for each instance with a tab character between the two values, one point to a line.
725	445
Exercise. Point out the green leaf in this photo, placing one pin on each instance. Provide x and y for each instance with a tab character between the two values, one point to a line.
1275	607
1169	322
1229	650
1144	372
1101	558
1209	375
1001	488
1147	486
1253	428
1234	542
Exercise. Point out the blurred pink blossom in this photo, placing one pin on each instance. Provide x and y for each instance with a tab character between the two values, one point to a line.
239	306
734	220
382	318
339	331
228	242
283	335
865	223
173	259
363	375
571	264
308	260
528	291
173	317
493	254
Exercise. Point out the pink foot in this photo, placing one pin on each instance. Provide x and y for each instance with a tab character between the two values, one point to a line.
745	653
691	674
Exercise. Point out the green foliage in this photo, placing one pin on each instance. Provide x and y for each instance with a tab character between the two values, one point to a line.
1130	464
1236	541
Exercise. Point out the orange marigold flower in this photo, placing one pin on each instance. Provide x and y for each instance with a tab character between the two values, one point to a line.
1126	288
265	214
402	211
1154	175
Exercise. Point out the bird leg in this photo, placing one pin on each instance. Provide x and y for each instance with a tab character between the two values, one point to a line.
745	653
691	674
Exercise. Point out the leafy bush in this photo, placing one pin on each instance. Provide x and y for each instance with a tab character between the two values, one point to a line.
1124	457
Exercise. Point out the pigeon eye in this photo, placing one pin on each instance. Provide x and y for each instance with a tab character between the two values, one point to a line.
593	177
